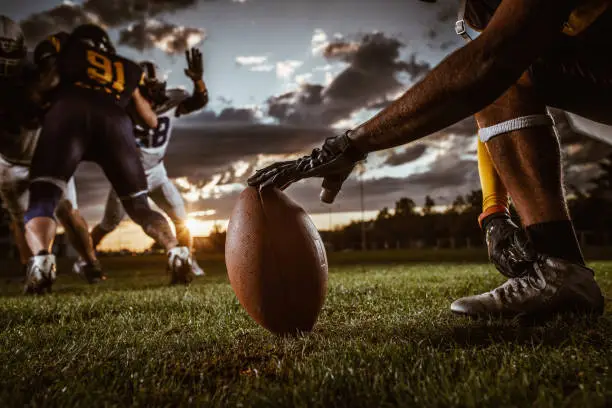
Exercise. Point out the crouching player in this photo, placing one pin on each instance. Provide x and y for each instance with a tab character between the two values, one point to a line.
153	143
19	131
89	120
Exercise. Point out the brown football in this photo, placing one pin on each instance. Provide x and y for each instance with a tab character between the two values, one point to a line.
276	261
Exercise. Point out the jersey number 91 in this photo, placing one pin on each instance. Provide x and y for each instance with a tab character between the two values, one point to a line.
105	72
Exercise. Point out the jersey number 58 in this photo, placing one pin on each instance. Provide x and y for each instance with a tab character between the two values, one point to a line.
105	72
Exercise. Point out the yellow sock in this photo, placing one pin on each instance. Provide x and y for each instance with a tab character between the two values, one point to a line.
494	194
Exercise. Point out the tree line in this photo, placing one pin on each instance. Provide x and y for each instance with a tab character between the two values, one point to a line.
408	226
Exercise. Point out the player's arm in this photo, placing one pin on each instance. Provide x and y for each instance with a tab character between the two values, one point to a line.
195	71
45	59
472	77
141	111
461	85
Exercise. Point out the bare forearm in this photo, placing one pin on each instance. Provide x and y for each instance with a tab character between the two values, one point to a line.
143	113
470	78
460	86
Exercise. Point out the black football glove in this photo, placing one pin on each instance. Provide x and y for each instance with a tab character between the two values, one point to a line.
334	161
195	65
508	246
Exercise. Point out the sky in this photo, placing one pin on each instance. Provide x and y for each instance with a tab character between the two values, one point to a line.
282	76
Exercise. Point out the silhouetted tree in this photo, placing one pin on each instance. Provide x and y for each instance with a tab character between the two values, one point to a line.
429	205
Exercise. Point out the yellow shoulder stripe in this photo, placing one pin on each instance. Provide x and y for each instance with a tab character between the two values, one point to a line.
55	42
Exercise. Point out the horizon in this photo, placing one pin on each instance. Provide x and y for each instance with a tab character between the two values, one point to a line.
280	82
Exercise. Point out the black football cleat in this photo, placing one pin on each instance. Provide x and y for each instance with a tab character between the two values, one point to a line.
550	286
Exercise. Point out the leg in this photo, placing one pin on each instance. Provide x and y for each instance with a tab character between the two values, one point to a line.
152	223
529	163
17	229
168	198
494	193
60	148
119	158
14	182
75	225
507	245
40	223
113	215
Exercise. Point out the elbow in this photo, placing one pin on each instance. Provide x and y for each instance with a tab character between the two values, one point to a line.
200	101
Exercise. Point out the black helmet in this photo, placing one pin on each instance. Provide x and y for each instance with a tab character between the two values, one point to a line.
150	70
13	50
154	88
151	77
94	36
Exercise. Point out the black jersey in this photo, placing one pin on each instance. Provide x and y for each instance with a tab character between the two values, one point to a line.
109	74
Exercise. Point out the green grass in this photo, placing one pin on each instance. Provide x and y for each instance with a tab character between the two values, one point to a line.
385	338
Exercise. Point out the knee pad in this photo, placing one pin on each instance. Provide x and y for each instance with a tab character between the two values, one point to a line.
44	197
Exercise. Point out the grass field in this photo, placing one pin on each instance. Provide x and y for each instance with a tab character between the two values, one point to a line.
384	338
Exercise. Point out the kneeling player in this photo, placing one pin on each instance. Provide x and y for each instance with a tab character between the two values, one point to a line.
559	63
18	137
153	143
88	120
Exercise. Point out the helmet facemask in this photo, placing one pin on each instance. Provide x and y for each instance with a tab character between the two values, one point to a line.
12	52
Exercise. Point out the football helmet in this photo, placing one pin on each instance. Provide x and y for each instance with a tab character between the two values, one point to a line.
95	37
12	48
154	89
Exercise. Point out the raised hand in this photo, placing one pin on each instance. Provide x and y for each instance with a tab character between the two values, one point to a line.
195	65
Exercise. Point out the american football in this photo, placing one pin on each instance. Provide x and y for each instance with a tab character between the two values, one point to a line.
276	261
299	203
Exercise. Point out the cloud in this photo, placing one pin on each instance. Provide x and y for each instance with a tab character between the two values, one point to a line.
318	42
144	32
284	69
371	76
410	153
170	38
60	18
115	13
257	63
251	60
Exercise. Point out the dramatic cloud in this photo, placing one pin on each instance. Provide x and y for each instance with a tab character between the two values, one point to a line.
144	32
60	18
371	76
168	37
228	115
408	154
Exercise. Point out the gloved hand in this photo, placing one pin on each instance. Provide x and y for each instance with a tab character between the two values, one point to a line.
334	161
195	65
508	246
